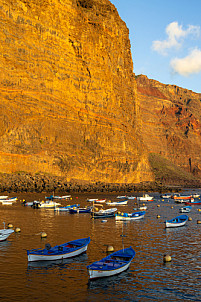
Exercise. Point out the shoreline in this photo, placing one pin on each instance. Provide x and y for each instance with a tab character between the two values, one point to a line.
42	183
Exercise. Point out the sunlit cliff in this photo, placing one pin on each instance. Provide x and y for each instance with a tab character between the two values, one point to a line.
68	95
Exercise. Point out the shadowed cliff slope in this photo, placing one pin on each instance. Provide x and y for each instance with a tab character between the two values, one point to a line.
173	116
68	103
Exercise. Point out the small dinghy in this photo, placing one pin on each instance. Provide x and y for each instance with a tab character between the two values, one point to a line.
130	216
5	233
63	251
104	213
176	222
186	209
113	264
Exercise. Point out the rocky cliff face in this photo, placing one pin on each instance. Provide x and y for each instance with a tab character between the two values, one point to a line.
173	116
68	104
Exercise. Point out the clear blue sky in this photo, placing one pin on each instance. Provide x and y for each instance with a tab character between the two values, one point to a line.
165	39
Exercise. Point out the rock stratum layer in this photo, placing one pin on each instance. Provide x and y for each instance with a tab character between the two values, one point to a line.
72	108
68	95
171	127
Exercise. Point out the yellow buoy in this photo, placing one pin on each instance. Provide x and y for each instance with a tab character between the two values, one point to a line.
189	218
198	221
199	210
172	207
43	235
109	248
158	216
17	230
167	258
158	205
10	226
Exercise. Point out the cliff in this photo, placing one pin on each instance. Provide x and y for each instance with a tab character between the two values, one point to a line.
171	128
68	95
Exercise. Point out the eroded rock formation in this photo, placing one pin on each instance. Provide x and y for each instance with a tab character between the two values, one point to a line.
68	104
173	115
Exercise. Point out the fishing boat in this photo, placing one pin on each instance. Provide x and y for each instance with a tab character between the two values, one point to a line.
142	208
92	199
180	200
178	196
11	199
111	265
195	195
145	197
66	208
100	200
5	233
130	216
62	197
166	195
78	210
121	196
3	197
29	203
193	203
131	197
117	203
63	251
177	221
49	204
186	209
104	213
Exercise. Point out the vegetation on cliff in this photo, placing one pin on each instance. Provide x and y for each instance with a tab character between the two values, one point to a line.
171	129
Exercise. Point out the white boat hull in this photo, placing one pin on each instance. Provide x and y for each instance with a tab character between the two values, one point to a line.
93	274
5	233
144	198
118	217
12	199
32	257
62	209
174	225
49	205
118	203
3	197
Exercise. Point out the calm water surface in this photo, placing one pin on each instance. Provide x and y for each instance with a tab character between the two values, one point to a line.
148	279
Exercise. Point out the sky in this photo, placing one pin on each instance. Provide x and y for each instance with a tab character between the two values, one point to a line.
165	39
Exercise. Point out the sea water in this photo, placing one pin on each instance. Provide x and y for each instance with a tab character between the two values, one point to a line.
147	279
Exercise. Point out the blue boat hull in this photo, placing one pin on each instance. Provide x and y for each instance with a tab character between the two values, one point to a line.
63	251
113	264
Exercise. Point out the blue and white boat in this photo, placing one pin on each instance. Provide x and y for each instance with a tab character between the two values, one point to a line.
117	203
66	208
177	221
63	251
186	209
130	216
5	233
78	210
113	264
